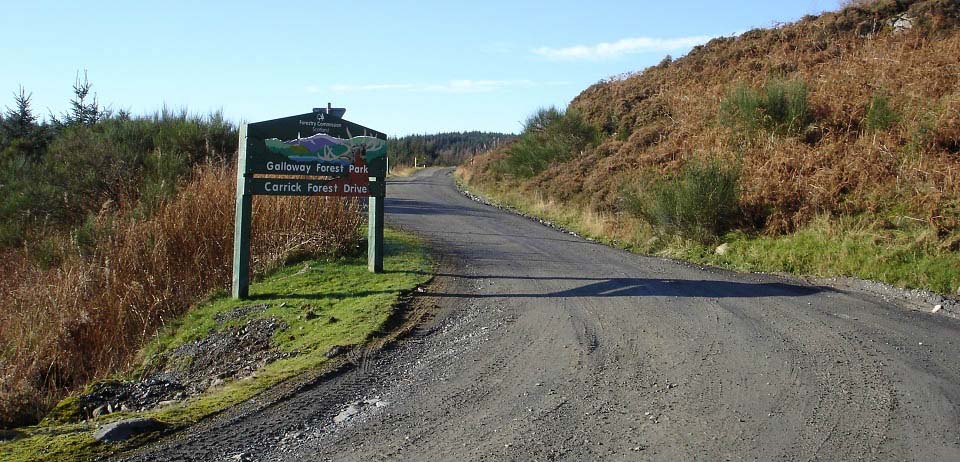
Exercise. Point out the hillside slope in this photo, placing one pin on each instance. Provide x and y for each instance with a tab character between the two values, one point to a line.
850	114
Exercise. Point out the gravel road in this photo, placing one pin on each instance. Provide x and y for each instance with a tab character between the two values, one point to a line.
545	346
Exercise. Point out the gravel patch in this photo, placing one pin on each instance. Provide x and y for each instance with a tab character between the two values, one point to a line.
232	353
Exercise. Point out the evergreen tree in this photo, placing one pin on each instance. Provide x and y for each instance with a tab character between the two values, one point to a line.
21	133
84	109
19	121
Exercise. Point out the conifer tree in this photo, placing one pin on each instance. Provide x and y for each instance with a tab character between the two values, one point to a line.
20	129
19	121
84	109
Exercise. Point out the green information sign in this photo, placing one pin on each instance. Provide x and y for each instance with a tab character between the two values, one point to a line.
341	158
314	144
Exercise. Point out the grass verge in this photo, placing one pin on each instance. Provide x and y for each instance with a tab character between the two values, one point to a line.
360	302
894	250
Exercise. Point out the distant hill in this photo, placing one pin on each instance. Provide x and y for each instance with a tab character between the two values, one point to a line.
443	148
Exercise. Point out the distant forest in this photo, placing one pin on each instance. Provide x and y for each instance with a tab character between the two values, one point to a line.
442	148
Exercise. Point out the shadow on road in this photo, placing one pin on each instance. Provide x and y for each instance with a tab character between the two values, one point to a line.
415	207
600	287
639	287
518	236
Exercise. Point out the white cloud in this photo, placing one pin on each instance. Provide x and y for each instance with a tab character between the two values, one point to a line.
621	47
475	86
451	86
343	88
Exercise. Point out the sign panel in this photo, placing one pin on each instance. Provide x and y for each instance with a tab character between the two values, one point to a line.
315	144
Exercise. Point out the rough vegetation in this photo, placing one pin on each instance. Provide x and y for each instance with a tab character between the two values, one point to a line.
300	320
850	114
86	316
55	175
111	226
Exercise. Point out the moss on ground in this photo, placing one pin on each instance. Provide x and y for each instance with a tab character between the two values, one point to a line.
66	411
347	305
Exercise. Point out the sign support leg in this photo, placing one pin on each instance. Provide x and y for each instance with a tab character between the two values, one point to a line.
241	245
241	226
375	234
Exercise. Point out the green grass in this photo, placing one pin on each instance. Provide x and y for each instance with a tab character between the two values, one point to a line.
360	301
908	256
67	443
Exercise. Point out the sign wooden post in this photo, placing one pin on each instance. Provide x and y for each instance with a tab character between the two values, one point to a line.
375	233
241	226
340	158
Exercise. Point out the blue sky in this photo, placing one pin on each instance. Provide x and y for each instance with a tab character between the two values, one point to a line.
400	67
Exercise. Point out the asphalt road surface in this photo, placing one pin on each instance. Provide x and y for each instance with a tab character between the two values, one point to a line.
546	346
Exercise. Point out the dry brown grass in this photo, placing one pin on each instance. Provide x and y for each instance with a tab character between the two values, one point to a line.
658	120
402	171
86	318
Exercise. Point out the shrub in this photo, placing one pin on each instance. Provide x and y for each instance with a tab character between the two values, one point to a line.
880	116
785	106
780	106
700	202
741	109
549	135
